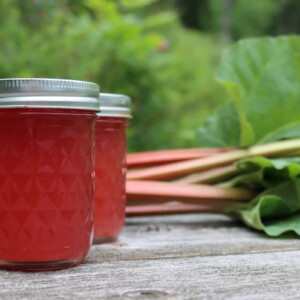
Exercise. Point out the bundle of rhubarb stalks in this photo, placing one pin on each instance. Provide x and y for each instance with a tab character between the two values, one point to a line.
192	180
253	184
248	163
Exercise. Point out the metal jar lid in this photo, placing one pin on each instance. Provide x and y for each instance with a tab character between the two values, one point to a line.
114	105
48	93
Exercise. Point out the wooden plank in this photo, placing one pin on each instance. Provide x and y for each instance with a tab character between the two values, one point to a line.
198	235
181	257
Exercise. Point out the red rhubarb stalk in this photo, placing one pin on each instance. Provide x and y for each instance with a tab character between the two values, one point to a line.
152	158
166	209
150	192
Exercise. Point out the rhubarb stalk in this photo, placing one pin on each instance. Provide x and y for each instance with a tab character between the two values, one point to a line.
152	158
150	192
169	209
178	169
210	176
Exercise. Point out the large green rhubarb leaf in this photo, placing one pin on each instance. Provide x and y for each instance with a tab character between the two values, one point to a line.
221	130
262	77
276	210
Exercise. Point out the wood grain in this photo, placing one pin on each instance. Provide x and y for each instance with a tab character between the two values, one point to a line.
174	257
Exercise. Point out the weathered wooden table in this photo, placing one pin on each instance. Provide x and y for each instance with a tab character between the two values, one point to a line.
178	257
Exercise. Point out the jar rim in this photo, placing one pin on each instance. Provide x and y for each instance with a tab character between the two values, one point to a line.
114	105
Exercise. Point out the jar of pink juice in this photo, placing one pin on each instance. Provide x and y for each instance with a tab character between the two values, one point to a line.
110	170
46	172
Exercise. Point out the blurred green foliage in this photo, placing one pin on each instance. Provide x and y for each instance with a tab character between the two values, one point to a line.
139	48
247	18
169	75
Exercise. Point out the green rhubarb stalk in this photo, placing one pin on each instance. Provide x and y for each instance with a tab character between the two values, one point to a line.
175	170
210	176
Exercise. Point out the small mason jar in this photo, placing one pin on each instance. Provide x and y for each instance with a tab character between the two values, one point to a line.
110	170
46	172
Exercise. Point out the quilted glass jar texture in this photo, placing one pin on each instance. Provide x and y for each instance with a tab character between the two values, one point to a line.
46	186
110	168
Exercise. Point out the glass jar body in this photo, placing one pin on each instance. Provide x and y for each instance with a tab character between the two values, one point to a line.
46	187
110	173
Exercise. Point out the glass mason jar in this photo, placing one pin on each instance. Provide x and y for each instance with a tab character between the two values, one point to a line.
110	170
46	172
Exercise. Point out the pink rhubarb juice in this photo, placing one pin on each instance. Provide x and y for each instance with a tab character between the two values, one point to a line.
46	172
110	169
